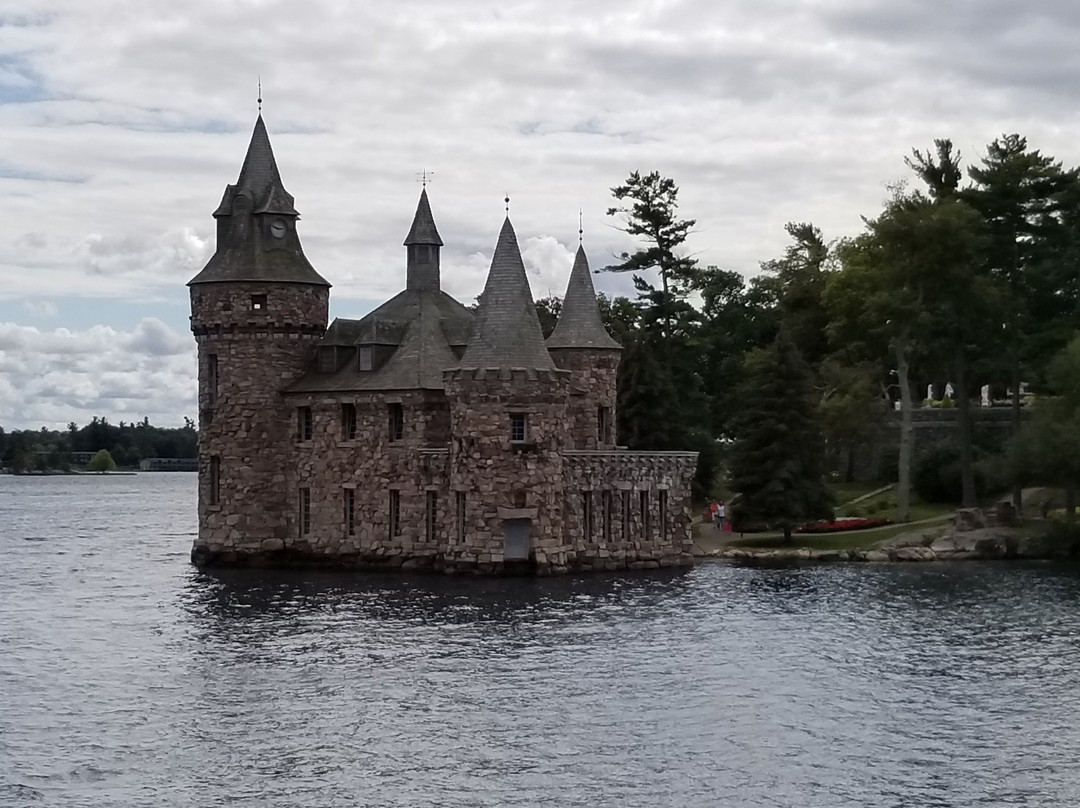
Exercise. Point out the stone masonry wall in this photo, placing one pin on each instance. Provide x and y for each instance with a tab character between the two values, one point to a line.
502	480
245	356
634	533
595	372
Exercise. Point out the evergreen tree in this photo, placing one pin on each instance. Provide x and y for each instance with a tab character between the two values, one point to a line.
776	460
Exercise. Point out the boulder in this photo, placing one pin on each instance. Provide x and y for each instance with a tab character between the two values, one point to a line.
969	519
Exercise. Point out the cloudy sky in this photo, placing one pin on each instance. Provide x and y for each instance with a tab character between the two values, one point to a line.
121	122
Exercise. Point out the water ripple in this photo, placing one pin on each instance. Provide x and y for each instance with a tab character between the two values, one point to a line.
129	678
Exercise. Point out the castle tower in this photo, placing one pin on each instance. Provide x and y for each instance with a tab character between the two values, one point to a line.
422	244
258	310
581	344
508	429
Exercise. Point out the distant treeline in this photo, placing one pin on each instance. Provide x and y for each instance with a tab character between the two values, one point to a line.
128	443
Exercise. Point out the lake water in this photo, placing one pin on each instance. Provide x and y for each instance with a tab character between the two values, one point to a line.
129	678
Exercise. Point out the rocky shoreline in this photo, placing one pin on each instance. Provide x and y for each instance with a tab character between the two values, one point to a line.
968	538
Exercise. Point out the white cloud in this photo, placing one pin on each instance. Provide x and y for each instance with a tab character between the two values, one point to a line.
123	121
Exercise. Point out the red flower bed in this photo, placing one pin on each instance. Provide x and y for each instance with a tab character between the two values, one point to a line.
838	525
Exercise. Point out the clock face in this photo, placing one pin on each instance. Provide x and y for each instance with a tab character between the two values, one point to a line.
278	228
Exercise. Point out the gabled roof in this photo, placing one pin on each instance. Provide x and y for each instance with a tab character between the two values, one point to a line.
507	332
580	325
423	230
421	326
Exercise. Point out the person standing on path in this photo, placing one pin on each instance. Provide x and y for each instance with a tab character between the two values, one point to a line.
719	515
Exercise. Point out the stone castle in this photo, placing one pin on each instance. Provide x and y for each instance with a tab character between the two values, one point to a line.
422	436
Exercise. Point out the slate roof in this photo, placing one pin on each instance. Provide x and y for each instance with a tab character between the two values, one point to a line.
245	257
580	325
423	325
423	230
507	331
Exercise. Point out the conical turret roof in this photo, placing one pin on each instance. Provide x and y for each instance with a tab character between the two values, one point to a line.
259	179
244	251
423	230
580	325
507	331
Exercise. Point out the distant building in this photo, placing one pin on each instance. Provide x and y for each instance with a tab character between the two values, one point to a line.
421	436
169	464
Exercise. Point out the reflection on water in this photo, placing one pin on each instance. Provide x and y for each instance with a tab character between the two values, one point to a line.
130	678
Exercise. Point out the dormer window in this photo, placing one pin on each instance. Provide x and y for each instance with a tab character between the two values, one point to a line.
364	354
519	427
258	302
327	360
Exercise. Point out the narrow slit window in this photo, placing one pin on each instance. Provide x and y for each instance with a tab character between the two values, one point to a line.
519	427
395	514
396	422
432	515
212	377
459	516
663	512
305	425
305	511
625	515
350	511
603	416
605	504
215	480
348	422
643	506
587	514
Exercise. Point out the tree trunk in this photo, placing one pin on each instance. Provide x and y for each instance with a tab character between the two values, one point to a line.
903	463
963	428
1018	490
1070	503
787	533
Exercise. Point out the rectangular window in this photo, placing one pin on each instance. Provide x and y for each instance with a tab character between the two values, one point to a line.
348	422
625	515
396	422
603	415
364	356
519	428
305	511
586	514
459	516
212	377
431	515
258	302
350	511
643	505
215	480
304	423
663	512
395	514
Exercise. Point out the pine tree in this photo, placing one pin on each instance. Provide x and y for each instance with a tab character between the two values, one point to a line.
777	459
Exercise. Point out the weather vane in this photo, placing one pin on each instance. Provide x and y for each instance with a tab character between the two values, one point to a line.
260	94
580	230
425	176
506	201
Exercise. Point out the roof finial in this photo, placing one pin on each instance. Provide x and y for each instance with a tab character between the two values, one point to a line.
506	201
580	230
426	175
260	95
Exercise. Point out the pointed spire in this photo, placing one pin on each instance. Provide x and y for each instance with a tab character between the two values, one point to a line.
580	325
423	230
507	331
257	239
259	179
